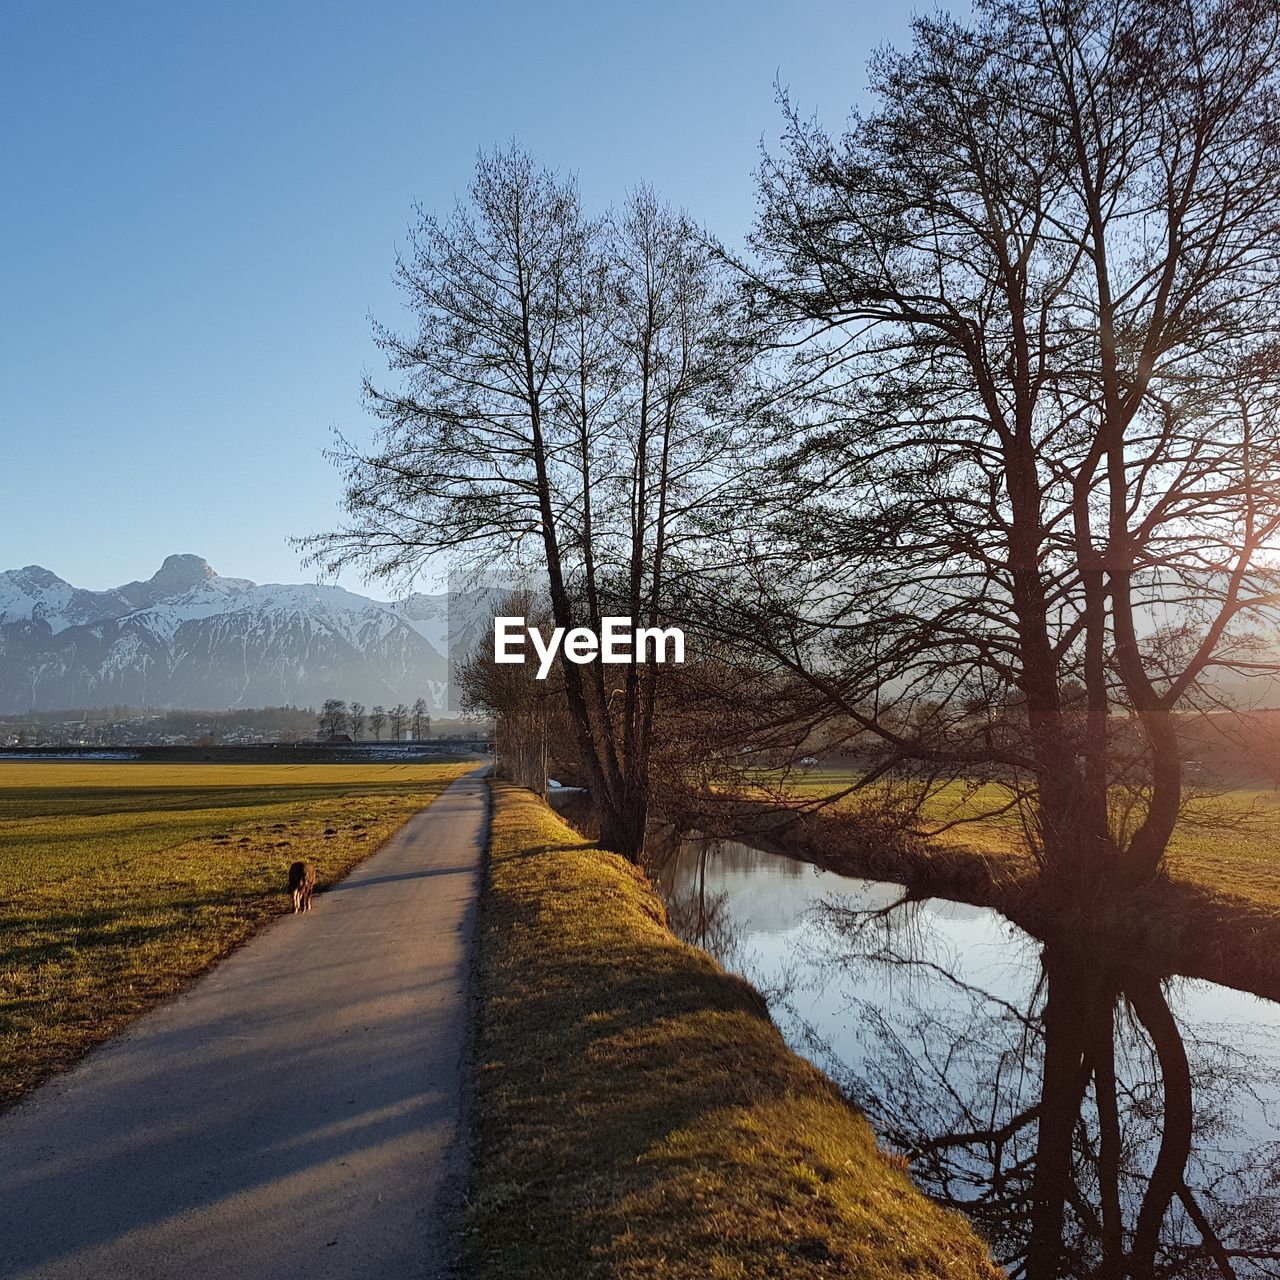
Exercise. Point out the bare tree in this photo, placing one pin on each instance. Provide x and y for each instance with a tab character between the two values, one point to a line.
560	404
398	717
377	718
421	718
526	711
356	717
333	717
1028	509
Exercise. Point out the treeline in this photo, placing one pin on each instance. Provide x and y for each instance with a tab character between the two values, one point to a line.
339	717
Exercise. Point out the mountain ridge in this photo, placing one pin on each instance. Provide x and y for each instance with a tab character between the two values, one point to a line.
189	638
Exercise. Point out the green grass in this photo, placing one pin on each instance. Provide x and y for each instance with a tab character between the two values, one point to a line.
638	1115
119	882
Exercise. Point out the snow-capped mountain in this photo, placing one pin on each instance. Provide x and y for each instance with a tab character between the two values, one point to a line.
189	638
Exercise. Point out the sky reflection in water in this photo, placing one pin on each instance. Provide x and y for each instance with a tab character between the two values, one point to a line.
1092	1120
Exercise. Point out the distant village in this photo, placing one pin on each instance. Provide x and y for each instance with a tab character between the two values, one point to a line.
123	726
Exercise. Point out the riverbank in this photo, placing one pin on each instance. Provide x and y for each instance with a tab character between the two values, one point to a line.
637	1114
1211	917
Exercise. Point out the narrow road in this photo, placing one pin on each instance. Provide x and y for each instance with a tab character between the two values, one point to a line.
297	1113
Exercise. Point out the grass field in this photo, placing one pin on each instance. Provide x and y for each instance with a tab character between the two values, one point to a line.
638	1115
118	882
1228	843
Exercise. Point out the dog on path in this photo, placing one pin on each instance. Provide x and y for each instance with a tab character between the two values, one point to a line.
302	884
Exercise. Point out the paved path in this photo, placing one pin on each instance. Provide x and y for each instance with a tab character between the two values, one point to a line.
296	1114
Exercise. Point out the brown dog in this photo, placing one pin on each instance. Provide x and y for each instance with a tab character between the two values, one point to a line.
302	884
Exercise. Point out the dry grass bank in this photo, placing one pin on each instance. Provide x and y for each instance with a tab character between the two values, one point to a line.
638	1115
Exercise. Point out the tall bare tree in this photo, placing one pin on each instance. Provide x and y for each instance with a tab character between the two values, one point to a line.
356	718
377	718
1028	510
397	718
333	717
557	408
421	718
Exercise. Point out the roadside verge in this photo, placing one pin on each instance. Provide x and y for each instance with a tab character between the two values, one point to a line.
636	1112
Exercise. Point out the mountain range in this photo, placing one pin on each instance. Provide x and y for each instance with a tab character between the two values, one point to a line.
189	638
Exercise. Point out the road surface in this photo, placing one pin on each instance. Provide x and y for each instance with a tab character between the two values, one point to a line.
297	1113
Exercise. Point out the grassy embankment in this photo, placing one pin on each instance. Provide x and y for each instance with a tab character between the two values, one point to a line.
118	882
1216	916
1228	843
638	1115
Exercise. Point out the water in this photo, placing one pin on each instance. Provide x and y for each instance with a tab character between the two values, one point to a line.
1091	1119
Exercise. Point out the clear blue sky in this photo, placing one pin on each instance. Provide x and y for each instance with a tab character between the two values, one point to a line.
201	205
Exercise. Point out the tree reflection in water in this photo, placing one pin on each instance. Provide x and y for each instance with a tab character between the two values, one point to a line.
1080	1131
700	916
1080	1126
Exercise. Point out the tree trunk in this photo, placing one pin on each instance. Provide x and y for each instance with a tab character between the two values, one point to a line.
1152	1010
1076	1004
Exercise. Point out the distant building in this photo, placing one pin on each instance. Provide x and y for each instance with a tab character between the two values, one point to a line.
338	739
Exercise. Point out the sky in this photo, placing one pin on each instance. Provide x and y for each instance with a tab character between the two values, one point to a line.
201	206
